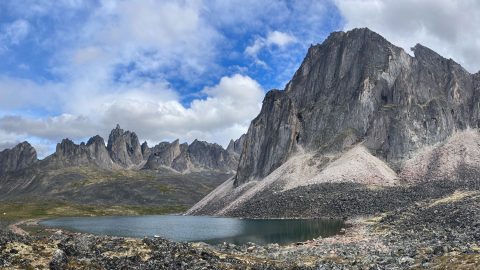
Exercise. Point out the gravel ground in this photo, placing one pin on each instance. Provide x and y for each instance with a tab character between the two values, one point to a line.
437	233
344	200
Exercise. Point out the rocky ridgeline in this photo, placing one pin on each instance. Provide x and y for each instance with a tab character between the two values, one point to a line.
124	150
196	156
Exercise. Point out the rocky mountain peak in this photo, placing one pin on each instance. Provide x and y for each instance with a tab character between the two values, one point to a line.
197	156
124	147
66	147
236	147
356	86
145	150
19	157
97	140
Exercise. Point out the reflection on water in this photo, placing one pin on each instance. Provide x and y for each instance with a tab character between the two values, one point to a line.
211	230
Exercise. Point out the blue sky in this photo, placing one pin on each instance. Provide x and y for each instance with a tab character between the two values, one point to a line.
182	69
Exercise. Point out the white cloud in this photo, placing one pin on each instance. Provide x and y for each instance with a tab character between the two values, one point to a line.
8	140
280	39
153	35
53	128
23	94
113	61
448	27
13	33
275	38
154	112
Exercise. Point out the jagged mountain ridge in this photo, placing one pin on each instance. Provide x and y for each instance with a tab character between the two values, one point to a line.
184	157
123	151
358	110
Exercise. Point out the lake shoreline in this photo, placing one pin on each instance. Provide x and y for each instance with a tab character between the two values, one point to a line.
431	234
211	230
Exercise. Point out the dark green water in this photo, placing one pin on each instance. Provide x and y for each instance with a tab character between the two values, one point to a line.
211	230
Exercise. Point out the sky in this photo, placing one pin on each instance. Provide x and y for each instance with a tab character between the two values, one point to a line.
184	69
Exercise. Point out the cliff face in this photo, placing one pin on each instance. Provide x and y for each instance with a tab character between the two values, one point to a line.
124	147
69	154
236	147
19	157
358	87
194	157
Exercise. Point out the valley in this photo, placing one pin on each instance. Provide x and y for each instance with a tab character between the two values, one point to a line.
364	132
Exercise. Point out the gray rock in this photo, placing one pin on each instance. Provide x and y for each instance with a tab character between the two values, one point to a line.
194	157
211	156
19	157
124	148
163	155
68	154
59	260
357	86
236	147
98	152
146	151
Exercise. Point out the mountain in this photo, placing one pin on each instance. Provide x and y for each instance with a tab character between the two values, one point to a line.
19	157
236	147
358	110
124	148
69	154
124	151
197	156
123	172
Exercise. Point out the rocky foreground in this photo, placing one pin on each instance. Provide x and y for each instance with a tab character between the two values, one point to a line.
439	233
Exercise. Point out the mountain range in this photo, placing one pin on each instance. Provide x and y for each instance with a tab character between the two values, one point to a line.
120	172
362	126
124	151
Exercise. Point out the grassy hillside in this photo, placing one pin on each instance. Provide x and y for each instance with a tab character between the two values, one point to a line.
80	191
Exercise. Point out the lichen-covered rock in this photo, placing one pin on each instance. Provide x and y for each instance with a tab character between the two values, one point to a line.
19	157
59	260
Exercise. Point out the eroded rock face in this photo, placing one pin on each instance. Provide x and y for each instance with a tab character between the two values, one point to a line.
237	145
98	152
194	157
145	150
356	86
124	148
19	157
68	153
163	155
211	155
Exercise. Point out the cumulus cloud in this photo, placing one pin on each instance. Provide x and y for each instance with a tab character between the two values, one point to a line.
53	128
8	140
139	63
24	94
448	27
223	114
275	38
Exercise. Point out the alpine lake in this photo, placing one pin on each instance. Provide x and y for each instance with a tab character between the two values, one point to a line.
211	230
